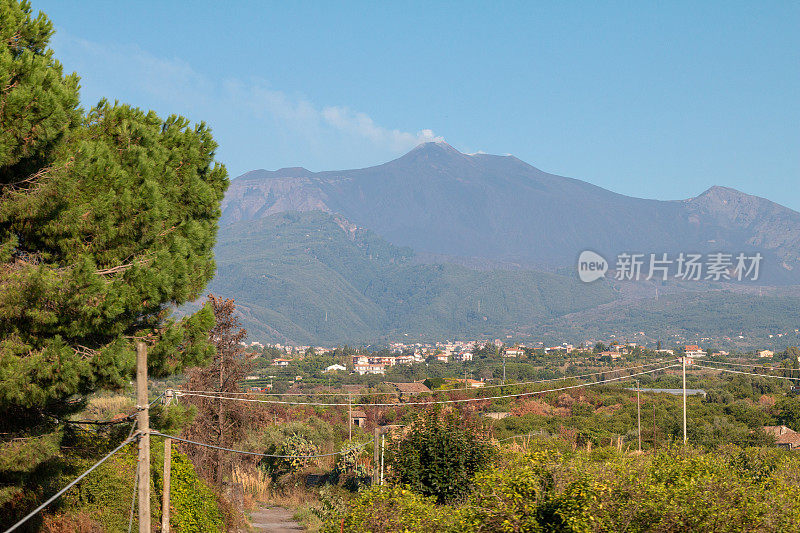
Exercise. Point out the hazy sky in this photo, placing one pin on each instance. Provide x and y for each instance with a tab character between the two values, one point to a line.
658	100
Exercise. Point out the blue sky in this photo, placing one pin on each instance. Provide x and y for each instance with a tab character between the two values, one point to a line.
658	100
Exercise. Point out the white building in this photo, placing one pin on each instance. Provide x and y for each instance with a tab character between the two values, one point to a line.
369	368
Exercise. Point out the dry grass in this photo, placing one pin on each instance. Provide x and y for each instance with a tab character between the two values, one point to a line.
107	407
259	487
254	481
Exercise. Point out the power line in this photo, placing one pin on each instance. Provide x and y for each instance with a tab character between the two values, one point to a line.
548	380
745	373
432	402
749	366
357	447
116	421
75	481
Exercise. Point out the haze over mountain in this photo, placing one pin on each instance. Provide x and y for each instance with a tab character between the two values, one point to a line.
367	254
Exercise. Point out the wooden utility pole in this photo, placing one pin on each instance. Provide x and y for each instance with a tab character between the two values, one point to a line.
144	437
165	495
684	399
350	418
376	457
639	414
221	417
383	444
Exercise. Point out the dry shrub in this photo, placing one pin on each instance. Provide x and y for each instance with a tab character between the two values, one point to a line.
65	523
565	400
766	400
609	409
536	407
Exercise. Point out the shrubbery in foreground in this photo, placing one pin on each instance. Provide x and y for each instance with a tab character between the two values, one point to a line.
556	489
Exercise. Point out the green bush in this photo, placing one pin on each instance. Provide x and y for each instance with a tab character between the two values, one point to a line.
194	506
674	490
390	508
439	456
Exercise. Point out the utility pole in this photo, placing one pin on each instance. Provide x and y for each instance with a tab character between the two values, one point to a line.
383	444
144	437
639	414
504	368
221	416
165	495
684	399
350	418
376	457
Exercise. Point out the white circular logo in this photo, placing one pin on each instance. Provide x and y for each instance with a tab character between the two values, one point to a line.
591	266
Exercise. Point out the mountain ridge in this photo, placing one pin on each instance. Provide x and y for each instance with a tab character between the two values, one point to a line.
440	201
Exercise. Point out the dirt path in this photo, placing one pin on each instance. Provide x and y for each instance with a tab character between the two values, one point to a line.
274	520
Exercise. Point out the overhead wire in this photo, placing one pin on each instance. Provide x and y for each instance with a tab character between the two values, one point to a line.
245	452
431	402
70	485
114	421
747	365
745	373
521	383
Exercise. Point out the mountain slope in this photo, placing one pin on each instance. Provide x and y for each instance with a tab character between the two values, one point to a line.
437	200
313	277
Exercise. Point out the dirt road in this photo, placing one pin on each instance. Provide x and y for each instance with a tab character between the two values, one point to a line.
274	520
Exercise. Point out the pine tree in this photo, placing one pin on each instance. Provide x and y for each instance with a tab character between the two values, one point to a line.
107	222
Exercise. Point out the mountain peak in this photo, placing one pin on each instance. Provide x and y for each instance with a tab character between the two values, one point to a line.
435	146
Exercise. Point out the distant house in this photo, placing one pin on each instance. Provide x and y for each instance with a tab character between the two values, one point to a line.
442	357
281	362
369	368
359	418
692	350
335	368
790	441
612	355
784	437
766	353
410	389
462	357
513	352
473	383
497	416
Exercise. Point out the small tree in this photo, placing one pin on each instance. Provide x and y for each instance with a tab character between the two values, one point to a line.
229	366
440	455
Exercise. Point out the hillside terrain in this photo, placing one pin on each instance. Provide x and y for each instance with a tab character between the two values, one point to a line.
437	200
440	244
309	277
